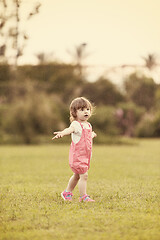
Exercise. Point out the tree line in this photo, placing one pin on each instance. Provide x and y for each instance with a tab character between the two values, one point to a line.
34	101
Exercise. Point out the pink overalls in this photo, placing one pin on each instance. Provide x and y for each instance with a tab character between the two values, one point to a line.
80	153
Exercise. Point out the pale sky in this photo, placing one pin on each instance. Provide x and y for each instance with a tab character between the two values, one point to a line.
116	31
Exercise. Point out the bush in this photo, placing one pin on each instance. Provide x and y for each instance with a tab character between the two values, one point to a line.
149	126
157	124
145	127
157	98
31	116
127	116
104	120
141	90
5	76
3	109
102	92
4	72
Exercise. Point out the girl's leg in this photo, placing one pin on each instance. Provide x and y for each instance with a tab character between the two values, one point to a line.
83	184
72	182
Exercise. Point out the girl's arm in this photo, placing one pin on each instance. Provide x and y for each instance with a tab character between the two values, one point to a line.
63	133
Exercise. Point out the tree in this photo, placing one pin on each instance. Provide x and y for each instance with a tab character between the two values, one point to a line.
140	90
79	54
44	58
127	116
102	92
150	61
12	37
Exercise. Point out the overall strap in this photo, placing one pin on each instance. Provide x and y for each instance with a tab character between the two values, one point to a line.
87	123
80	124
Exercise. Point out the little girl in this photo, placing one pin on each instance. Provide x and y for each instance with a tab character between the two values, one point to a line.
80	149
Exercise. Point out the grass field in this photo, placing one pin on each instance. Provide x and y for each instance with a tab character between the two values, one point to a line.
124	181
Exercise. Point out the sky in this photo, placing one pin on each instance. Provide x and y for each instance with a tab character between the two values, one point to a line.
116	31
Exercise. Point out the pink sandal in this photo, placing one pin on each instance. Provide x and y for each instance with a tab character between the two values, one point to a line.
67	196
86	198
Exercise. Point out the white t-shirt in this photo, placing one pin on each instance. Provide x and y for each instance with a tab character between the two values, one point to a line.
78	130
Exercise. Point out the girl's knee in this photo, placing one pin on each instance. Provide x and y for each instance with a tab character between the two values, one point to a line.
84	176
76	176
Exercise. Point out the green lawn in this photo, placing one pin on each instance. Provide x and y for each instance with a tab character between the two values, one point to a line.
124	181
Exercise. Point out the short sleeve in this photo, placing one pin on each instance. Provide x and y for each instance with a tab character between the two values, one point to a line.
77	127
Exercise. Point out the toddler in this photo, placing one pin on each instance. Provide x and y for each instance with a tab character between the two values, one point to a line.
80	149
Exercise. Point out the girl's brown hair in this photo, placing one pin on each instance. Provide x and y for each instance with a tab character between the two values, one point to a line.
79	103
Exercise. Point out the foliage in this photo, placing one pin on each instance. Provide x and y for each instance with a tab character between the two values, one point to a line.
54	78
79	54
145	127
31	94
140	90
4	73
127	116
35	113
41	72
12	37
150	61
124	181
104	120
103	92
157	97
149	126
157	124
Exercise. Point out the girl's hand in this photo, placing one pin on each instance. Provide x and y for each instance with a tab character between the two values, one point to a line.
58	135
94	134
63	133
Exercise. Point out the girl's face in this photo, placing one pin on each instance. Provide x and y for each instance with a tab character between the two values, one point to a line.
83	114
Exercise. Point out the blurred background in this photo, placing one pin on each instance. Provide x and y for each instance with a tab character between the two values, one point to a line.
54	50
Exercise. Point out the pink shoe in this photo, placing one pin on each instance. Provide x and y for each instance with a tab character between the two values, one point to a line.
67	196
86	198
